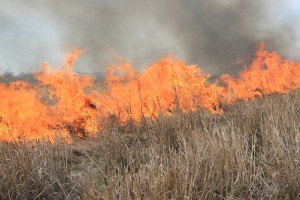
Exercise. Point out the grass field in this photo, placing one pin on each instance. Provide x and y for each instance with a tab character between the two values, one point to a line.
251	151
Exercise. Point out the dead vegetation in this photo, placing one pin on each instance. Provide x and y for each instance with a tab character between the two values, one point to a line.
251	151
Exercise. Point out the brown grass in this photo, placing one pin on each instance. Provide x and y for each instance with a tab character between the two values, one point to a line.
252	151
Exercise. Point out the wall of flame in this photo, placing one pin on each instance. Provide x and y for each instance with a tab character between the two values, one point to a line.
64	103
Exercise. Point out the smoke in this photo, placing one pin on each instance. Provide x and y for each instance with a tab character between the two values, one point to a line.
212	34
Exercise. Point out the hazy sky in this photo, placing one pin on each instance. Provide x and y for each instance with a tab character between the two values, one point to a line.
210	33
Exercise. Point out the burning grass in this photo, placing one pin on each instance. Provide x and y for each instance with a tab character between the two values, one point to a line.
251	151
64	103
163	133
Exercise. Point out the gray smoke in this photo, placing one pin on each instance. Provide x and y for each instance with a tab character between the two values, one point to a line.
210	33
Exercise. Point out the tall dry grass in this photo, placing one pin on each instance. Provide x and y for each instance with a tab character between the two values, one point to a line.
39	171
251	151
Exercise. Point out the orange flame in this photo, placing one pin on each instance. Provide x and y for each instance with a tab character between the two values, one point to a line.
65	103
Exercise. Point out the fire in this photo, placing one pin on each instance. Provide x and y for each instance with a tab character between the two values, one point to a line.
63	103
268	73
54	107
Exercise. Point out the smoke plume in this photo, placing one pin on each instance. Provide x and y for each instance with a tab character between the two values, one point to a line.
212	34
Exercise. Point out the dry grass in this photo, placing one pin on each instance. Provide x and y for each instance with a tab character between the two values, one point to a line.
252	151
36	172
